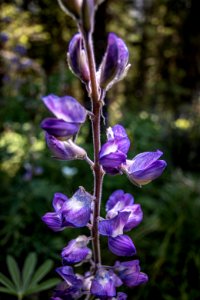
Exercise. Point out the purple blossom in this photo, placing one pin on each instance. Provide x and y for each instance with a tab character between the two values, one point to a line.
70	115
113	152
121	245
77	59
64	150
114	227
73	212
104	283
144	167
123	202
72	285
76	251
114	65
129	273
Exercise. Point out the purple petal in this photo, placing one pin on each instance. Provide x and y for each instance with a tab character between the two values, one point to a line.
53	220
65	108
59	128
130	274
110	158
103	284
124	199
121	245
135	217
77	58
123	57
76	251
68	275
78	208
144	160
147	175
118	134
115	226
64	150
135	279
121	296
108	69
58	201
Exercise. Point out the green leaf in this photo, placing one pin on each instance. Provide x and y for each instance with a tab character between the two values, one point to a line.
28	269
14	271
43	286
7	282
7	291
41	272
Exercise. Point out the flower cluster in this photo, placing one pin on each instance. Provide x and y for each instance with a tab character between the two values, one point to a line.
83	209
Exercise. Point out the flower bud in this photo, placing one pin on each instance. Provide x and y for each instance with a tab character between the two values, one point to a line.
77	59
115	62
64	150
71	7
87	15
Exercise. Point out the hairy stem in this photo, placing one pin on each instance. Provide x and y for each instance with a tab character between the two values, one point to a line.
96	132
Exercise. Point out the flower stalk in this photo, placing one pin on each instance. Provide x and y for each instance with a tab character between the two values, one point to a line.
96	135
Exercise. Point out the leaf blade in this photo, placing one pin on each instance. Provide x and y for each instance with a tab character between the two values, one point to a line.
6	282
28	269
14	271
43	286
41	272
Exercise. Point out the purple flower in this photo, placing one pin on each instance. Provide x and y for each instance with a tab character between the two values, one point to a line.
64	150
114	227
113	152
144	167
118	200
115	62
70	115
129	273
71	287
104	283
76	251
77	210
121	245
73	212
121	202
77	59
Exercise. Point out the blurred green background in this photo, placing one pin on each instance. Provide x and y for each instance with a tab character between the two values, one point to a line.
159	104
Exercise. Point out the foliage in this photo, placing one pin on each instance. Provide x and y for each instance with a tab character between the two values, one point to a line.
29	280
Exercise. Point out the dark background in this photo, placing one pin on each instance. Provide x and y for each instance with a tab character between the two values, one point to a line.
159	104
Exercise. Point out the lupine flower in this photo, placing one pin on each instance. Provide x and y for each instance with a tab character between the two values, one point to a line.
113	152
115	62
114	227
104	283
76	251
64	150
70	115
73	212
144	167
121	202
72	285
121	245
129	273
77	59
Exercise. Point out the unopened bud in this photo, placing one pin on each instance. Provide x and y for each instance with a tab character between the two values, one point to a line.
87	15
64	150
77	59
71	7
